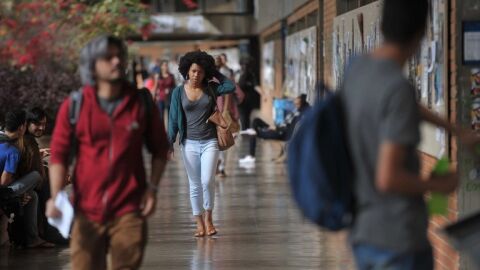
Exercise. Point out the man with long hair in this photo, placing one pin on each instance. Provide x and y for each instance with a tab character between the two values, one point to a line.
112	197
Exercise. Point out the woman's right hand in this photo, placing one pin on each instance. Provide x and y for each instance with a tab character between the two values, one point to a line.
171	154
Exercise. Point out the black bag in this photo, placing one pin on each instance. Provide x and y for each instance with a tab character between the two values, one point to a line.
12	208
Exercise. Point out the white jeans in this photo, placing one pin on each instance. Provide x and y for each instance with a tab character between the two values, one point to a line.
223	160
200	160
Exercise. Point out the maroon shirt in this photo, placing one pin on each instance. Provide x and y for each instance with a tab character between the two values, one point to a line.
164	84
109	174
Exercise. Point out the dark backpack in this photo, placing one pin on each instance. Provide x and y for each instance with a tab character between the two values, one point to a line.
319	166
76	98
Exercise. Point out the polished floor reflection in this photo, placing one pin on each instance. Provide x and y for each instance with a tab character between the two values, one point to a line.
259	226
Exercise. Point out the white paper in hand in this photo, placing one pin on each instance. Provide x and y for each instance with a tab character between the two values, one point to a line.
64	222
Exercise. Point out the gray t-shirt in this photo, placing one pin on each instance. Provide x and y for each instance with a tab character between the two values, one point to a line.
109	106
380	106
196	114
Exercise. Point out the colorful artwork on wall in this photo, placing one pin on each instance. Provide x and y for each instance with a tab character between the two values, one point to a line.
301	63
354	33
358	32
475	94
268	71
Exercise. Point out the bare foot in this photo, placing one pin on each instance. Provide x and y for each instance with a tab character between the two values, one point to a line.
200	232
211	230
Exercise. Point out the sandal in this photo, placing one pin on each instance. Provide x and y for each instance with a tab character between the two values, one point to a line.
42	244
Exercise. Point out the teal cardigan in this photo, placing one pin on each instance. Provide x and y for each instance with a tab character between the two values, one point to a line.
176	117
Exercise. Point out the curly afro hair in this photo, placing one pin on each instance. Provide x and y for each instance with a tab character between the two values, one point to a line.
200	58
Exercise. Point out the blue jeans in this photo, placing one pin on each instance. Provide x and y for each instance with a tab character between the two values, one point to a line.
200	160
161	108
368	257
26	183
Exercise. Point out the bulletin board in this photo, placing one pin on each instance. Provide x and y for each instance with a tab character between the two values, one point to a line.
268	66
358	32
354	33
233	57
301	63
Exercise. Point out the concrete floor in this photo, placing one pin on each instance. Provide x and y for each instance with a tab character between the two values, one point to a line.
259	226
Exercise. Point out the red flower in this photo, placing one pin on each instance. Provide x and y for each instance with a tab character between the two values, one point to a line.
63	4
25	60
10	43
12	24
53	26
146	30
79	8
191	4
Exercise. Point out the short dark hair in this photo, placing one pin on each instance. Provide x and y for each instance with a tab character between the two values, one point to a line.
94	50
35	115
403	21
200	58
14	119
163	61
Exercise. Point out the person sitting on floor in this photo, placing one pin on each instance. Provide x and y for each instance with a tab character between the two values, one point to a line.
281	132
35	158
11	148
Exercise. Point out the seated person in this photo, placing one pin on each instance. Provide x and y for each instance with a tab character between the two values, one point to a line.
35	159
281	132
11	147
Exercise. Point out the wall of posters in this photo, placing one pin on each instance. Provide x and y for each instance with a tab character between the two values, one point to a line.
354	33
358	32
427	71
301	63
475	94
268	70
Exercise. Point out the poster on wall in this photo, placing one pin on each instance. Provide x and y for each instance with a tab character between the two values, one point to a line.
301	63
426	70
268	71
358	32
475	94
233	57
354	33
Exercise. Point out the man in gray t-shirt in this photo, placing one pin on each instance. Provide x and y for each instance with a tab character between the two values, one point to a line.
380	107
382	121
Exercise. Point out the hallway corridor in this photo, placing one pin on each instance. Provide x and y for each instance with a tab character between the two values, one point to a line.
259	226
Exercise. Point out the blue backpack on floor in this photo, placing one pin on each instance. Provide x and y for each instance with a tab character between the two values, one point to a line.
319	166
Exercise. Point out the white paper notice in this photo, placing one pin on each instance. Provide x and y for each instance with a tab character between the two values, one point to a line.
64	222
472	46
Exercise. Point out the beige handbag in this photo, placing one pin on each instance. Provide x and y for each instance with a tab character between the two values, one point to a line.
224	135
233	125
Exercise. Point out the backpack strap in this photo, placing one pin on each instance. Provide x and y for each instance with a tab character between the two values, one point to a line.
147	103
76	98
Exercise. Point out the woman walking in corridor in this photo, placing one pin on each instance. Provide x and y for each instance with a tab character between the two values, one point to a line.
191	105
160	84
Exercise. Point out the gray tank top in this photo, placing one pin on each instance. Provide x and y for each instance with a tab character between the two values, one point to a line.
197	113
